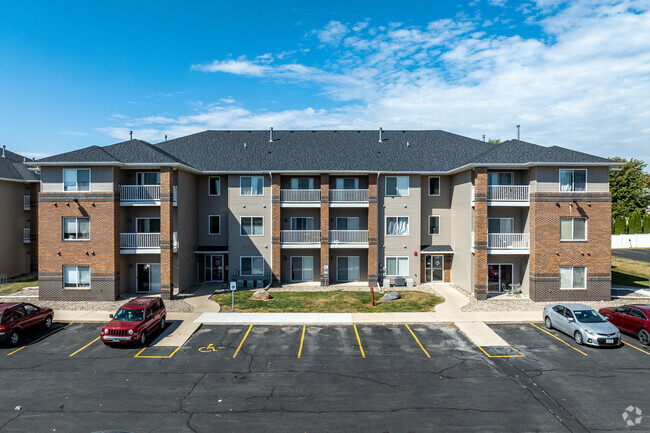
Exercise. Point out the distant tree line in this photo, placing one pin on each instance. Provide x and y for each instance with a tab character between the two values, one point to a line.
630	189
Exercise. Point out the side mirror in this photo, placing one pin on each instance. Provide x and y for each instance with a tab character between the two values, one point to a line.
571	319
110	315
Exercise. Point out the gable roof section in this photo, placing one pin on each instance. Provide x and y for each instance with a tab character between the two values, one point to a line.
13	168
522	152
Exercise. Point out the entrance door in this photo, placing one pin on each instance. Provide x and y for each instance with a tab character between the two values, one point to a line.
499	277
302	268
433	268
347	269
214	268
147	276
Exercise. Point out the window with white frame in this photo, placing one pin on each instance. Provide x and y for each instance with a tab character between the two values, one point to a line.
573	180
148	178
214	224
302	223
347	223
251	266
76	229
397	186
76	179
573	229
434	225
214	185
573	277
76	276
302	183
251	185
252	226
434	185
397	226
397	266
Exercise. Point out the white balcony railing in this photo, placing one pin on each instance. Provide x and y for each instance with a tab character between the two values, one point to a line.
349	236
300	236
509	241
349	195
139	240
508	192
139	192
27	236
27	205
300	195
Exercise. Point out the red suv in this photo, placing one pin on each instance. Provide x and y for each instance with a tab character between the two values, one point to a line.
631	318
15	318
134	321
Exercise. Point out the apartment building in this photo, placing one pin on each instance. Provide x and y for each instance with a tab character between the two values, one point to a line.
19	188
324	207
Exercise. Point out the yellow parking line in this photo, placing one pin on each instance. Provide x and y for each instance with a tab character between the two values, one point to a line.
359	340
418	341
521	355
137	355
302	339
242	341
559	339
77	351
42	338
640	350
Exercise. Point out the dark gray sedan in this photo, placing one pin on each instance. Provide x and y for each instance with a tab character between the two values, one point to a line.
583	323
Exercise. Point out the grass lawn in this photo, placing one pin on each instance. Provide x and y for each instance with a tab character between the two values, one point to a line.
633	273
8	289
327	302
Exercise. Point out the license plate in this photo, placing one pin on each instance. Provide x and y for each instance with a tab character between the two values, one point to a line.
609	341
116	340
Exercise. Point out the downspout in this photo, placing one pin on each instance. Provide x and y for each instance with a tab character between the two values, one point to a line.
377	223
271	279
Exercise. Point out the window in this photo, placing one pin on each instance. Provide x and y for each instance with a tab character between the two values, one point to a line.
434	185
573	229
214	224
434	225
501	225
302	268
573	277
397	226
501	178
147	225
347	223
302	223
151	178
251	185
252	226
302	183
30	309
397	186
252	266
214	185
397	266
76	276
347	183
633	312
573	180
76	180
76	229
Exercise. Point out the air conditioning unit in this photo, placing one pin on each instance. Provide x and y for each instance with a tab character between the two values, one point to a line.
400	282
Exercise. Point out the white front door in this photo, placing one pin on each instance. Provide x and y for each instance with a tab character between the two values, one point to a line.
214	268
433	268
347	268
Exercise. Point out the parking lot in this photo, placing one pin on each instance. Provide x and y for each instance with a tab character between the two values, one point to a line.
322	378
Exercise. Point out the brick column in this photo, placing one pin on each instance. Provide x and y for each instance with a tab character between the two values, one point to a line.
480	233
324	228
166	233
33	226
372	230
276	251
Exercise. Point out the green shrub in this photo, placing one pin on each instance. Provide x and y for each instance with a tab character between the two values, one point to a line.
634	224
646	223
619	225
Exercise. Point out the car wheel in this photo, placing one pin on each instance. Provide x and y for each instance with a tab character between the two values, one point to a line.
578	337
162	323
548	322
644	337
14	338
48	322
143	338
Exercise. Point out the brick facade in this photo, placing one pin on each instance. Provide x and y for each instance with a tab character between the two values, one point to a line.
548	253
324	228
373	268
276	253
34	188
480	233
166	233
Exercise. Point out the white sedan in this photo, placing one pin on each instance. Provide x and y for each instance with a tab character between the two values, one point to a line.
583	323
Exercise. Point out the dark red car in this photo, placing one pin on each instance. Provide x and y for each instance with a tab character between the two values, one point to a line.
18	317
632	319
134	321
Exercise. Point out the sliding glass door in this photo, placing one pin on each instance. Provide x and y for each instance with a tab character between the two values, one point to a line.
347	269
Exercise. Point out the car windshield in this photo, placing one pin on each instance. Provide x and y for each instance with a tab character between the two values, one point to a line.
129	315
589	316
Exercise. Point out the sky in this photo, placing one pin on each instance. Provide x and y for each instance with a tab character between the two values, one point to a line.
574	74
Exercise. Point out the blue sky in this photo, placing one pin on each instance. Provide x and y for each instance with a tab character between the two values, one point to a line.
574	74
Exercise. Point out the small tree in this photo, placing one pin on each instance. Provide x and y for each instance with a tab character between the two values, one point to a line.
634	224
646	224
619	225
628	187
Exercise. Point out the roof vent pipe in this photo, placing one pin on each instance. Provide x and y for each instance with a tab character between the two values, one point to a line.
3	150
271	134
380	133
483	137
165	137
131	135
518	131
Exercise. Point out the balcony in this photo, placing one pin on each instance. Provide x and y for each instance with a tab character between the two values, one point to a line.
27	236
508	243
300	238
143	195
300	198
507	195
348	198
143	243
348	238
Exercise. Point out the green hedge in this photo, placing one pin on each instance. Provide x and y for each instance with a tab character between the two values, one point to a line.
619	225
634	224
646	223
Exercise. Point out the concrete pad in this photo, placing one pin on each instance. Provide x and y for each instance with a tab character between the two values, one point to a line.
335	318
82	316
179	336
454	300
481	334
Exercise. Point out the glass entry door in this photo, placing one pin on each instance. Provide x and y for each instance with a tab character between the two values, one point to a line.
147	277
499	277
302	268
214	268
433	268
347	269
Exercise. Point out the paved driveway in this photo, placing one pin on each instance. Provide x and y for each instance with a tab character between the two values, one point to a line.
641	254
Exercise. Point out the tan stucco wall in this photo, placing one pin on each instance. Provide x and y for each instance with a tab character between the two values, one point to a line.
14	257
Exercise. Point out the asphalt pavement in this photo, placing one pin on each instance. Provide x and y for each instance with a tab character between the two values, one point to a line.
641	254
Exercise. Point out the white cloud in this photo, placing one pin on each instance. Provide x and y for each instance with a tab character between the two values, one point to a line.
584	83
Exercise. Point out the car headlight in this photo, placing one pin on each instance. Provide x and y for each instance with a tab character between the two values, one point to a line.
130	331
106	331
592	333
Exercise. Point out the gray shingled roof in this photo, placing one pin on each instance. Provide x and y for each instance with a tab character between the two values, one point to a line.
12	167
324	150
436	249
